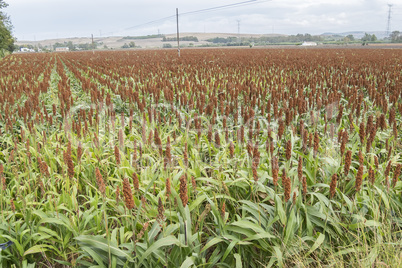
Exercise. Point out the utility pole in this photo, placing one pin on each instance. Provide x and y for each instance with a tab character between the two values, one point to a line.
178	38
389	18
92	38
238	30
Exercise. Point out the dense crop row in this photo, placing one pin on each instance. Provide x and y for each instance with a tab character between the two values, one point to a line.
218	158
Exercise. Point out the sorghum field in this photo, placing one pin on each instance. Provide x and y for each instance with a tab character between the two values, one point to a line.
219	158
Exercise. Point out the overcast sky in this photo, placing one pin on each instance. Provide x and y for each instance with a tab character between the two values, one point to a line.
45	19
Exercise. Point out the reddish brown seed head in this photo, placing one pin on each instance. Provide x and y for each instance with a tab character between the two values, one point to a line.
100	182
142	232
371	176
121	139
369	124
362	132
150	135
79	152
395	130
217	139
161	212
144	133
193	184
397	172
304	184
168	189
300	168
345	137
183	190
382	123
44	168
348	161
316	143
231	149
70	166
387	169
209	136
242	134
12	205
332	188
136	181
69	148
281	129
340	114
361	158
359	178
156	137
128	196
391	118
256	156
250	149
223	210
168	154
117	155
286	186
255	175
275	170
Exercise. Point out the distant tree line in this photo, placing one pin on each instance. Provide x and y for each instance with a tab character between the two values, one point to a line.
75	47
144	36
129	45
396	37
37	48
184	38
232	40
223	40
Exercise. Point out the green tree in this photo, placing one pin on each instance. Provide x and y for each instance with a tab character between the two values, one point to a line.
396	37
366	38
373	38
350	37
131	44
6	38
308	37
70	46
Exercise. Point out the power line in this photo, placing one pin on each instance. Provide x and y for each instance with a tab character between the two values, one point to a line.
151	22
243	3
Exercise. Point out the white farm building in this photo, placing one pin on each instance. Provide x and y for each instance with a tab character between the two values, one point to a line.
62	49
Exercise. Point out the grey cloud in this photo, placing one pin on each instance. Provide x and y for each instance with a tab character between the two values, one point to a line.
64	18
